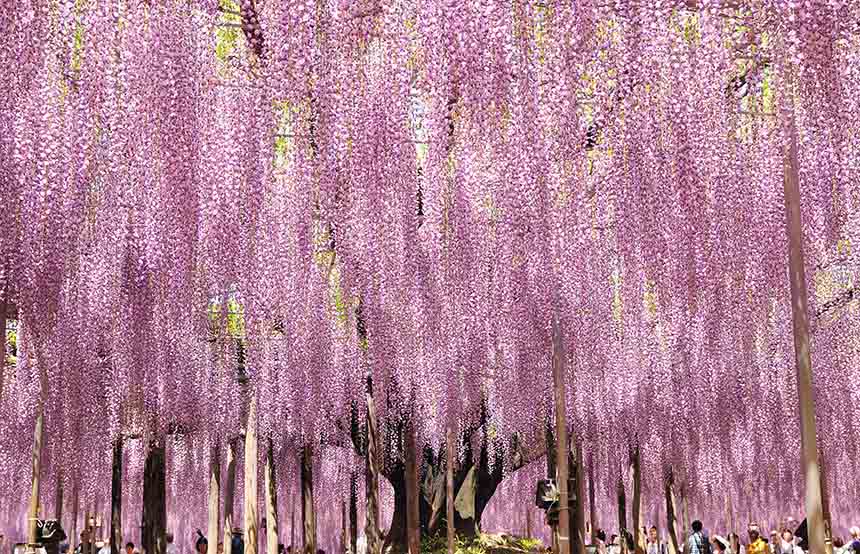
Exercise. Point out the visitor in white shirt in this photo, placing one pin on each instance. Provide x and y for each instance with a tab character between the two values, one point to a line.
171	548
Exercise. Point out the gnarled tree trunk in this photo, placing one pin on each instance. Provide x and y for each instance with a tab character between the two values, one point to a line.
154	502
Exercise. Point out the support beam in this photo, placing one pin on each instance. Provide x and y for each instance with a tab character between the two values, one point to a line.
58	502
353	513
229	497
154	502
73	536
309	518
116	499
802	358
671	519
638	537
622	515
413	492
592	508
449	487
371	527
250	512
559	376
212	535
578	493
271	503
33	512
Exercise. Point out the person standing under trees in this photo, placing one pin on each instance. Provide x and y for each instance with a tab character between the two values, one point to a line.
757	545
171	548
655	546
697	543
787	545
202	545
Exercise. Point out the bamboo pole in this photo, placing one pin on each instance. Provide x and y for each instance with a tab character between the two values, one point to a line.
33	512
449	488
559	375
622	515
825	503
271	504
74	534
803	361
413	490
212	535
229	496
250	492
116	499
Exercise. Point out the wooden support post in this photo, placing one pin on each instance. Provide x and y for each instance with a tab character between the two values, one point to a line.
371	527
449	487
271	503
229	497
559	377
154	502
576	504
580	499
413	492
293	523
73	536
671	520
638	537
353	514
622	515
344	528
825	505
592	508
4	310
58	502
528	522
116	499
33	512
212	535
685	515
250	512
309	520
803	361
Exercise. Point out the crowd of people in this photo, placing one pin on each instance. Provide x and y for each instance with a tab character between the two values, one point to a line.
783	541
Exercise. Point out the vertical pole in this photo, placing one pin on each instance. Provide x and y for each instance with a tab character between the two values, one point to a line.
271	504
116	499
371	527
825	503
803	361
592	508
58	503
449	486
4	310
33	512
559	375
413	521
73	537
212	535
229	496
309	521
528	522
622	515
250	512
293	523
671	520
638	539
344	528
154	502
353	513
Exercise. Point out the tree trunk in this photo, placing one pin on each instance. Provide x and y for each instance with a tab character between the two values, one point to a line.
371	527
309	522
212	535
802	358
229	497
344	528
251	526
32	536
271	504
592	509
685	520
638	538
671	519
622	515
353	513
413	492
58	503
577	513
116	499
73	536
154	502
449	488
559	374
